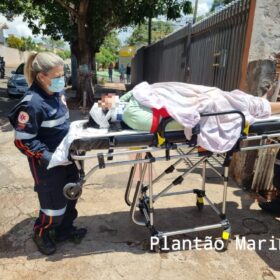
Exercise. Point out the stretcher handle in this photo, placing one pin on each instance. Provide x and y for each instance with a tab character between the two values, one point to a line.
162	126
165	121
243	120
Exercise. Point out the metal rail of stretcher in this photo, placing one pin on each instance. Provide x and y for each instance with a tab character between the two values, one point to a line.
144	196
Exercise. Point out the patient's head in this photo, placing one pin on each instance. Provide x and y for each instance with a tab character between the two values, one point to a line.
108	101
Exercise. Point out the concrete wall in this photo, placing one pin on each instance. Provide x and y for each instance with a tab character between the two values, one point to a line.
13	57
261	73
265	42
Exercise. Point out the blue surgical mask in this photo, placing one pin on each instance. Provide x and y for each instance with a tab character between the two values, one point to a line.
57	84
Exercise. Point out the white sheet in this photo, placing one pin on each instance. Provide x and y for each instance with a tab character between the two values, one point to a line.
76	131
185	102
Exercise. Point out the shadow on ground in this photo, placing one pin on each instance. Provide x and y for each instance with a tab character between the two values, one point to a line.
115	232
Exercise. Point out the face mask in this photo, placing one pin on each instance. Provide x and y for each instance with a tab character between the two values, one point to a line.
57	84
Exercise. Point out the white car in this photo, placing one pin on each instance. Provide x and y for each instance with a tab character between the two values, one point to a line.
17	85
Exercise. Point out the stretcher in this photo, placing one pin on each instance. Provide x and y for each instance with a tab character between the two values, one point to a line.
110	148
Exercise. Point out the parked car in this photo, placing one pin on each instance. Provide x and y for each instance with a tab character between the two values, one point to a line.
17	85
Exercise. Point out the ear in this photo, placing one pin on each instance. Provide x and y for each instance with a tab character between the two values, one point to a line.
40	77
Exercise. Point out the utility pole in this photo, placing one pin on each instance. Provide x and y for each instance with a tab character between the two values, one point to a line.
150	31
195	11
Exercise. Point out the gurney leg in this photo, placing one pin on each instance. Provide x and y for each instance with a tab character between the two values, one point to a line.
130	181
151	206
137	197
225	190
227	228
201	194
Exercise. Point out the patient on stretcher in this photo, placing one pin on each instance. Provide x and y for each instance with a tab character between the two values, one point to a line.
129	111
116	114
142	109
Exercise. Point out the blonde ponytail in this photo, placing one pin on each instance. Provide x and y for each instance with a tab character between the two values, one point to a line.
40	62
28	73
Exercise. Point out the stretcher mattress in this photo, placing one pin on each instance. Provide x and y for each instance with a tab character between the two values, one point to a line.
102	139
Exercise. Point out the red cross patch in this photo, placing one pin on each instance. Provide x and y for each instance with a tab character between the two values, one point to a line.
23	117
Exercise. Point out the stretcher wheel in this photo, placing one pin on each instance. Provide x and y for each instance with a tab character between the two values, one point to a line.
72	191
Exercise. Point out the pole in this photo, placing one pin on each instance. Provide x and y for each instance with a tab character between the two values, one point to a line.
195	11
150	31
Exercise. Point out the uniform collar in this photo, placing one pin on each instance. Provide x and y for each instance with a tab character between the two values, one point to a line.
37	88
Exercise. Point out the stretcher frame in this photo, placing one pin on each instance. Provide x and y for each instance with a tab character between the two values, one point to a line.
141	199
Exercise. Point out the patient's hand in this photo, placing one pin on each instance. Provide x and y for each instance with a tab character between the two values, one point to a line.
271	92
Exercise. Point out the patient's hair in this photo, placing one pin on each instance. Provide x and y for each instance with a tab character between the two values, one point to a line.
40	62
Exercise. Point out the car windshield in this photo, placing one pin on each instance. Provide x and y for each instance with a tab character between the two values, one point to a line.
20	69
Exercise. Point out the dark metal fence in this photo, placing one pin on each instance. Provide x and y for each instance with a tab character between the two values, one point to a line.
209	52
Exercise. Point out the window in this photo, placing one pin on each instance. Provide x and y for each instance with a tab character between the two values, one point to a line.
20	69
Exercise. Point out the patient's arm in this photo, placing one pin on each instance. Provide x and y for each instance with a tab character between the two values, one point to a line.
273	91
275	107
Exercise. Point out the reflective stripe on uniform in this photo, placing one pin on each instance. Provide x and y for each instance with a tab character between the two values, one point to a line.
277	162
27	98
53	123
51	212
24	135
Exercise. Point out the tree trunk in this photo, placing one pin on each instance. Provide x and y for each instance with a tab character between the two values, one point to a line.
85	55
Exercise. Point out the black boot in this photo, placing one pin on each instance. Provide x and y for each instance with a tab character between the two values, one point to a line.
44	243
73	234
272	207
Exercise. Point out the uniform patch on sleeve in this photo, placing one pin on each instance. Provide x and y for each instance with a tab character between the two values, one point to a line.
23	117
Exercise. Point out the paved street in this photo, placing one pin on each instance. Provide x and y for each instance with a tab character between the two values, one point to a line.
114	247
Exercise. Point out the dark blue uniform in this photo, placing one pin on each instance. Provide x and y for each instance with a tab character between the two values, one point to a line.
41	121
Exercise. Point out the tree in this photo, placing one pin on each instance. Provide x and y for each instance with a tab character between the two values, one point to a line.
112	43
29	44
218	3
85	23
53	44
109	50
64	54
15	42
160	29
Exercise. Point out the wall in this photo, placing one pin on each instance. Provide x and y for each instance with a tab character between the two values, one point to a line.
265	41
261	73
13	57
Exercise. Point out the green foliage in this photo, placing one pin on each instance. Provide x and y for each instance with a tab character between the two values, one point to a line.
15	42
112	43
52	18
109	50
29	44
22	44
86	23
105	57
53	44
160	29
217	3
64	54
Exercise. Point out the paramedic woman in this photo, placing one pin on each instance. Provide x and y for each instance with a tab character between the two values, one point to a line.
41	120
